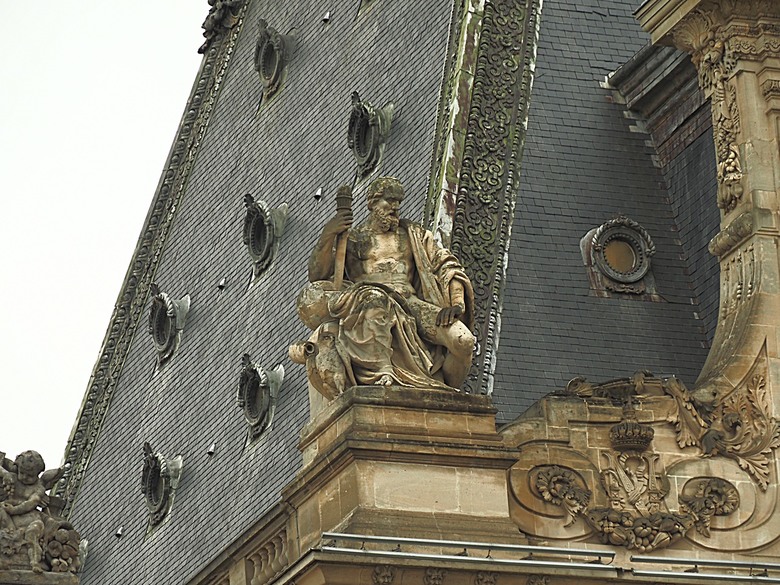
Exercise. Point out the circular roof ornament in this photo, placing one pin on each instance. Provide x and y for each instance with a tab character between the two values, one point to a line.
621	249
258	391
262	228
367	132
166	322
159	480
271	55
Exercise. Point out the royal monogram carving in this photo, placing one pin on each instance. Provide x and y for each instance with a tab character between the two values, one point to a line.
490	167
128	311
486	578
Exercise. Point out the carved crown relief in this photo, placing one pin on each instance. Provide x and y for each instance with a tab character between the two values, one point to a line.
616	485
368	130
617	254
258	392
263	227
167	317
159	481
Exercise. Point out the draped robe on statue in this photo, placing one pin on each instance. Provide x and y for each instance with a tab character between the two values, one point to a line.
387	329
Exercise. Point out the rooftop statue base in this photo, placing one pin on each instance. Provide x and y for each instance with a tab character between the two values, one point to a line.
386	457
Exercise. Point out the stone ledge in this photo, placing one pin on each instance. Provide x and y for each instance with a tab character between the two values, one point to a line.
30	578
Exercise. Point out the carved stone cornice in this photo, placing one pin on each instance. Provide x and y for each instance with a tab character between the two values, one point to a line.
490	167
128	311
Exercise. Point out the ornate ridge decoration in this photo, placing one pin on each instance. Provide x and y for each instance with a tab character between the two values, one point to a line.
159	481
223	15
488	182
446	97
132	300
711	53
166	322
272	53
263	227
367	134
728	239
258	392
711	497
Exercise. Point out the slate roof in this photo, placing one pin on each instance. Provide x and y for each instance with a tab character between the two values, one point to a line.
584	163
295	143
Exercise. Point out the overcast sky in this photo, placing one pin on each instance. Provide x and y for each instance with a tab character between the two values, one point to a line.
91	94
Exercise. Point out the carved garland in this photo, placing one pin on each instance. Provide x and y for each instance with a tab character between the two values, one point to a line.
712	53
492	152
132	300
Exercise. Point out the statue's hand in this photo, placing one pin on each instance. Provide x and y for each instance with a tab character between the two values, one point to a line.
338	224
448	315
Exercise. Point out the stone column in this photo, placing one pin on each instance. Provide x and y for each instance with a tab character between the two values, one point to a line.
735	46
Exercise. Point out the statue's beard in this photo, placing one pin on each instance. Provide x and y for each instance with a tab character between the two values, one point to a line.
387	222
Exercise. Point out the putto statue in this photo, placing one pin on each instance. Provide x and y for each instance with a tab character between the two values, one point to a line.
387	304
29	519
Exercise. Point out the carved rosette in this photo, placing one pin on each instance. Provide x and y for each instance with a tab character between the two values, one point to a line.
708	497
258	392
560	487
159	481
367	133
383	575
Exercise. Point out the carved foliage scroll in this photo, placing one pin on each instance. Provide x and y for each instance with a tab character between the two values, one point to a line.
711	53
492	152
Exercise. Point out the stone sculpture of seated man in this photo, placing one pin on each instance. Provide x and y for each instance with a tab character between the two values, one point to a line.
404	312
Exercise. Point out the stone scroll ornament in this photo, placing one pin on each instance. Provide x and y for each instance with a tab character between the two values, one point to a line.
400	313
33	535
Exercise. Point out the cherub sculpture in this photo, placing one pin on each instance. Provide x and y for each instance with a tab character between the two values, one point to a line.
28	517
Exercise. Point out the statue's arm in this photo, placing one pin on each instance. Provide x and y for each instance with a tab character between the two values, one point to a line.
323	257
27	506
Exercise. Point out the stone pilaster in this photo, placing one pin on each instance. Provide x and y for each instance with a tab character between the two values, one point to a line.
735	46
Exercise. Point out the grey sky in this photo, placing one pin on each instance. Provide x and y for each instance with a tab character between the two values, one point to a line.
91	94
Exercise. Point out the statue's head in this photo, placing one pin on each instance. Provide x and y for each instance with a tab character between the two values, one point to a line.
388	188
29	465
